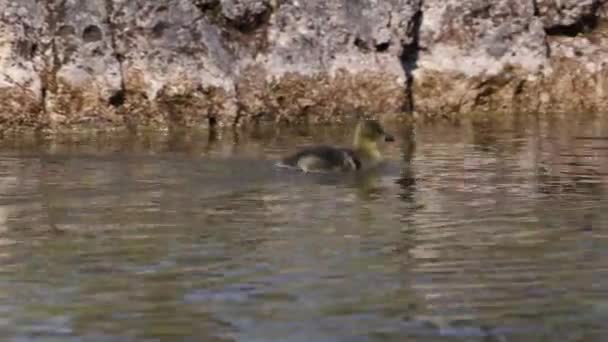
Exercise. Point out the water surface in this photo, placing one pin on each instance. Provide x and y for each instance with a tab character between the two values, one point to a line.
488	230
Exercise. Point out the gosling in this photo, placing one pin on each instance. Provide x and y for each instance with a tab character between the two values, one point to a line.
364	154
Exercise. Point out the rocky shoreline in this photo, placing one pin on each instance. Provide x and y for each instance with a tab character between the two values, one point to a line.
185	63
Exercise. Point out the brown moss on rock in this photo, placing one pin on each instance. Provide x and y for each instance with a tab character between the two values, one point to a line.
446	94
573	88
73	106
195	107
20	108
518	57
175	105
575	81
569	87
318	98
138	110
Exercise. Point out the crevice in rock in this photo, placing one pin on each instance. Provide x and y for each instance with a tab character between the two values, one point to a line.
586	23
48	77
409	58
547	47
159	29
252	21
119	97
204	6
212	122
26	49
382	47
249	22
536	13
249	30
43	96
361	44
239	106
535	7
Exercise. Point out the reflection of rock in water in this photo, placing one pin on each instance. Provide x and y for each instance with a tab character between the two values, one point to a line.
407	179
4	212
408	143
572	159
492	235
407	182
484	131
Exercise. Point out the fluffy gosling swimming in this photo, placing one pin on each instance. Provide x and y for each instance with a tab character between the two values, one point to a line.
364	154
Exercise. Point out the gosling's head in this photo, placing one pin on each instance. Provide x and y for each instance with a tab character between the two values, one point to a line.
372	131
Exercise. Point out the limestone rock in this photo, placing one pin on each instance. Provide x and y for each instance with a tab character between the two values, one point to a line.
22	64
579	72
172	59
560	15
246	15
334	57
85	77
475	53
67	63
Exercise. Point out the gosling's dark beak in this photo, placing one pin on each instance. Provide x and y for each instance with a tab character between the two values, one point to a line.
388	137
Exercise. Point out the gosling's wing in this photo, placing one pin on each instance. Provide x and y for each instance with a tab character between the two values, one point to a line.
316	158
352	161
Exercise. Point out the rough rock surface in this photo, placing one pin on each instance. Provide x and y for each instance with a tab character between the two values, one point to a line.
83	73
511	55
326	59
564	13
22	66
472	53
68	63
176	66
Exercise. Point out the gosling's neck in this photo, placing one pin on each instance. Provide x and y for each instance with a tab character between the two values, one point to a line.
367	149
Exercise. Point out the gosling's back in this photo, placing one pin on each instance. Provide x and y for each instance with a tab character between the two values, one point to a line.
323	158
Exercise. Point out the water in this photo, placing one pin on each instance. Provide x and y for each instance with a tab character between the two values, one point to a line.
489	230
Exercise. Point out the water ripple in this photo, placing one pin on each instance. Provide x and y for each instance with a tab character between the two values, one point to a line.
491	231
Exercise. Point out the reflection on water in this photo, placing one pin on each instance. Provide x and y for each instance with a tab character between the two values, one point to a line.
492	230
